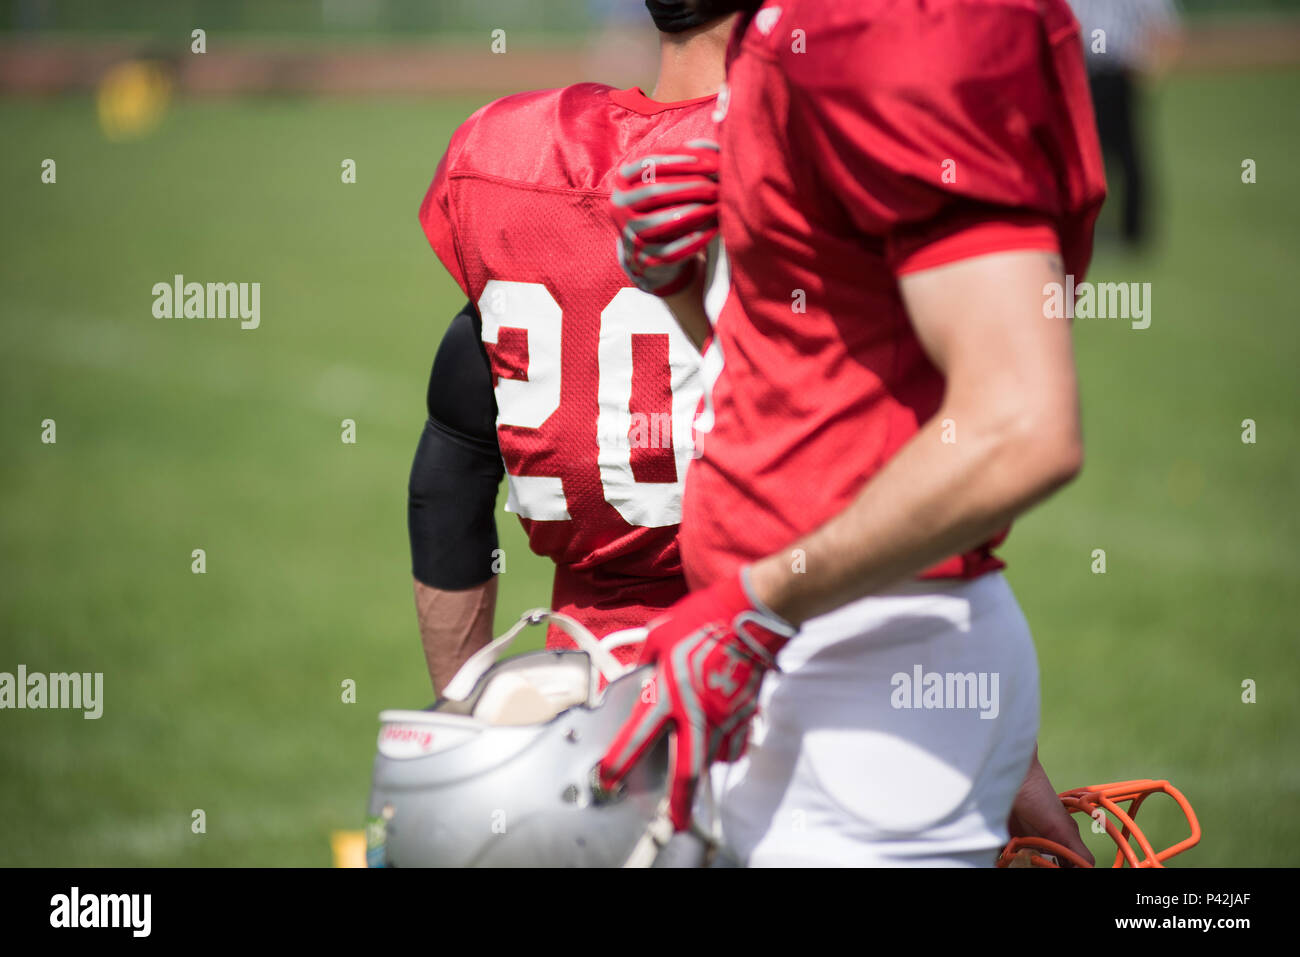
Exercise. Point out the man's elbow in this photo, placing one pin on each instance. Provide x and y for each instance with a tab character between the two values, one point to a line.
1049	456
1034	448
1065	462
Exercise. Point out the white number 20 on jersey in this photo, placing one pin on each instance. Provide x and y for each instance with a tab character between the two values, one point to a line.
529	403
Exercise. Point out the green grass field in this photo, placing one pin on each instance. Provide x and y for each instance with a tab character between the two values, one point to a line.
223	690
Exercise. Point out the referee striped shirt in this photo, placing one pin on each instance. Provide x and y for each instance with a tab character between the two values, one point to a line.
1125	27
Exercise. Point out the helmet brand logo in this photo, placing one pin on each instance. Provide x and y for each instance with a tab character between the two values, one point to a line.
420	739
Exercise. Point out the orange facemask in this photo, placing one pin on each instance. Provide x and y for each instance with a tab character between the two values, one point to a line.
1040	852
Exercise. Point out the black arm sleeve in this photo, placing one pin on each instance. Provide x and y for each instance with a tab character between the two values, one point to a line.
452	493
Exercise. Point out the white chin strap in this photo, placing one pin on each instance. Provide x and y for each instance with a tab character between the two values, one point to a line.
657	834
603	662
660	831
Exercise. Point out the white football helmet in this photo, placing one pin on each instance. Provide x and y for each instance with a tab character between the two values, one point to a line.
500	772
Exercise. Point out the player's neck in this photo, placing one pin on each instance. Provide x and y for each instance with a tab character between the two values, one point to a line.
692	64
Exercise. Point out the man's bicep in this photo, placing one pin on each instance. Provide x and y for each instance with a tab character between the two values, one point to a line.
986	324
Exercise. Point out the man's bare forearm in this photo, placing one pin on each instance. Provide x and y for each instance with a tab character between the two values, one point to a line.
1038	812
931	501
453	625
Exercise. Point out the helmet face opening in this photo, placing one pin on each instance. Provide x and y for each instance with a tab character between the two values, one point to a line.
1103	803
528	689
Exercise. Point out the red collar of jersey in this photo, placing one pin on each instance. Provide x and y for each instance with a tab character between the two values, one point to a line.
638	102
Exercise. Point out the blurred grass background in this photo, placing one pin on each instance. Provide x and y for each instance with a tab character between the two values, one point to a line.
223	690
1142	667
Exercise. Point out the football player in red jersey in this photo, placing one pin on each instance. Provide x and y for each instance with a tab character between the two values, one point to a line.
902	184
576	386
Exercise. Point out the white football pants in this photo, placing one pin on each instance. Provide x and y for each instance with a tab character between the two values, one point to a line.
895	734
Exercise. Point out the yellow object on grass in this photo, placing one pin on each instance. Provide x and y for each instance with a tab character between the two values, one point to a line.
132	99
349	848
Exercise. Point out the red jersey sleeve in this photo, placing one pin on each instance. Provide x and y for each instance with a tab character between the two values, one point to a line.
438	211
952	128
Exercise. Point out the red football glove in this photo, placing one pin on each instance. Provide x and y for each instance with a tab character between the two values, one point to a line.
711	651
665	207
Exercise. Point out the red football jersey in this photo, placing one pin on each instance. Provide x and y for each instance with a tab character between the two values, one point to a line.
595	382
863	139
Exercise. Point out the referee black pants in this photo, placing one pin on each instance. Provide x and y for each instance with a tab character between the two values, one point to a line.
1114	97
